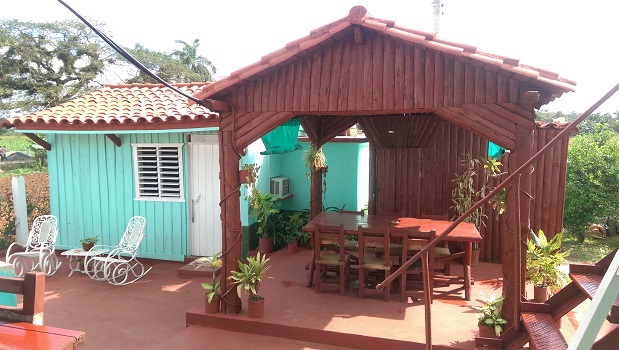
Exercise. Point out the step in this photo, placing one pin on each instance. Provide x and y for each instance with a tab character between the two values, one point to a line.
589	284
543	331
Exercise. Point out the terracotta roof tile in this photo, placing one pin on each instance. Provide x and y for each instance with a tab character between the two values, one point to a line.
136	105
359	16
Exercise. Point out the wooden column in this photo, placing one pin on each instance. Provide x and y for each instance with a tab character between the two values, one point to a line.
523	151
230	217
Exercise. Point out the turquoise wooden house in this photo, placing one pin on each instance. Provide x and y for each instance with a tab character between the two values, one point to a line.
128	150
141	149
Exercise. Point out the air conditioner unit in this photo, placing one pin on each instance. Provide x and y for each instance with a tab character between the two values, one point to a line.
279	186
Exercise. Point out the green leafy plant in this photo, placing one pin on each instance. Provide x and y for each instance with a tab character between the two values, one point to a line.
89	240
294	232
249	276
315	160
214	287
465	194
544	258
262	206
489	314
251	179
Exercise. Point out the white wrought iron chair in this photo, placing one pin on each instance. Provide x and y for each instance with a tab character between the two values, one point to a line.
119	265
39	251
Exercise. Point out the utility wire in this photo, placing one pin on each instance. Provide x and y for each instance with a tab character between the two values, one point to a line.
129	57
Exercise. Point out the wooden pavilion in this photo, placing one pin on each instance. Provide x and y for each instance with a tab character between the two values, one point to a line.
421	101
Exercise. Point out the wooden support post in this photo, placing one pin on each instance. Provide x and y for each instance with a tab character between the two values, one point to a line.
316	191
230	217
517	232
114	139
39	141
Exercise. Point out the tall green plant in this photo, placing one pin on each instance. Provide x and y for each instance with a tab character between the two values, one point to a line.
249	276
262	205
544	258
465	194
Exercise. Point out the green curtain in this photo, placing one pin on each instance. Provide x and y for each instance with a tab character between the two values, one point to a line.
283	139
495	151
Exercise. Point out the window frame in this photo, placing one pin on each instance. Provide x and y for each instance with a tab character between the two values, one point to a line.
137	178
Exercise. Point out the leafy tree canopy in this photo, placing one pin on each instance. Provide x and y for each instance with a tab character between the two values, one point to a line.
45	64
592	185
181	66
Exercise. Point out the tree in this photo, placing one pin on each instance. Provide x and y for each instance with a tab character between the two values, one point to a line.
592	180
181	66
188	55
45	64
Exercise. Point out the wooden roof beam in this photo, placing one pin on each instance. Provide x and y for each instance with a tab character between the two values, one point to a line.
39	141
359	36
217	106
529	97
114	139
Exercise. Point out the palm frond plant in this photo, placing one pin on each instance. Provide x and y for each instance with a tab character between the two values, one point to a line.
544	259
249	276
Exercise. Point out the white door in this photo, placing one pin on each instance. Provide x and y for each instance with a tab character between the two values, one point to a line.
205	224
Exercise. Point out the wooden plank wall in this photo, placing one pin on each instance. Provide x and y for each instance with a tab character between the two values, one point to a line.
419	180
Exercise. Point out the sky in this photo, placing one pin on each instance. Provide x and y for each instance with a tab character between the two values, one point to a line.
577	39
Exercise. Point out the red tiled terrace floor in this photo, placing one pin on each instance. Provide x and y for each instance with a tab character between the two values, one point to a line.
151	313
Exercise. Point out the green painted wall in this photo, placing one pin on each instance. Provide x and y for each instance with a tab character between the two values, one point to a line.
92	193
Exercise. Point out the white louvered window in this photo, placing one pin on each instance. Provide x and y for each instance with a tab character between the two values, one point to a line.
158	171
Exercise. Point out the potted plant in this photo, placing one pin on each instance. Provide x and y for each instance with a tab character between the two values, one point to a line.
315	160
489	317
249	174
248	279
262	205
544	258
89	242
295	235
465	195
212	294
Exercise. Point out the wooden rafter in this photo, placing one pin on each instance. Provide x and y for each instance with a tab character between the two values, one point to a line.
217	106
39	141
114	139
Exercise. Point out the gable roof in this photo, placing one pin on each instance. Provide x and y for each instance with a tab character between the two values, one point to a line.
358	16
122	107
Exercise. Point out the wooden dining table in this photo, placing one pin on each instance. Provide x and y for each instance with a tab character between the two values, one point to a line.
465	232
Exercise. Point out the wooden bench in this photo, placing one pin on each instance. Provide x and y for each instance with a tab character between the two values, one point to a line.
22	327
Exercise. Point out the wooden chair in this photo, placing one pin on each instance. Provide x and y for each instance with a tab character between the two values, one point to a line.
329	251
442	252
32	287
369	261
413	243
349	244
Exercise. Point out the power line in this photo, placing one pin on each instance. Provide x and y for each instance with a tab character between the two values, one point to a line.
129	57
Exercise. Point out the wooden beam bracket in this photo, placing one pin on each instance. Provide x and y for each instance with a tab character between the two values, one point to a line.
114	139
359	36
217	106
39	141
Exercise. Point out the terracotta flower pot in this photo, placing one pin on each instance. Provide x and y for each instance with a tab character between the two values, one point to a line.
293	247
540	294
87	247
475	259
244	175
486	332
213	306
256	308
265	245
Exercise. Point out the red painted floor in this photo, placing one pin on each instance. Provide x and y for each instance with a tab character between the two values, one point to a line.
151	313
